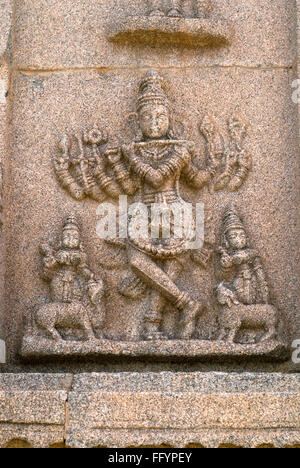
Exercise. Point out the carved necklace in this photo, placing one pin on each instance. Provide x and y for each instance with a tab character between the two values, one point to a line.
155	153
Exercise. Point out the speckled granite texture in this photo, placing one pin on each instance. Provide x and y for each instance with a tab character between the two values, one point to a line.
66	66
65	75
149	409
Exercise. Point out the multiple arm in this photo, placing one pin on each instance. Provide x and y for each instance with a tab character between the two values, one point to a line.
179	162
112	171
196	178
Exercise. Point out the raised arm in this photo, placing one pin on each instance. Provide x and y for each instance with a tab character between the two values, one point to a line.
49	261
123	176
196	178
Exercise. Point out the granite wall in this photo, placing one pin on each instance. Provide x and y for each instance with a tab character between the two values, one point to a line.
68	65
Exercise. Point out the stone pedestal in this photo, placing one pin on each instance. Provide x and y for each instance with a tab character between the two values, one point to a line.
150	409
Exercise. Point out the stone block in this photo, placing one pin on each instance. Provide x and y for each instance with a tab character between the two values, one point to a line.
169	409
33	408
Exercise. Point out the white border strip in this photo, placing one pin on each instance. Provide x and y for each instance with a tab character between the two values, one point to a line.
2	352
3	91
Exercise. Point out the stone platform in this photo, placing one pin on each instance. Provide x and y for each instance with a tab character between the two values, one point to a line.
37	348
181	32
150	409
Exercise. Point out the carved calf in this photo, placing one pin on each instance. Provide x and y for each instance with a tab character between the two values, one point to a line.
258	316
50	318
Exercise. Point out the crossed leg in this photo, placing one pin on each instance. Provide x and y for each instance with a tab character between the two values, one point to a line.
162	281
153	318
146	269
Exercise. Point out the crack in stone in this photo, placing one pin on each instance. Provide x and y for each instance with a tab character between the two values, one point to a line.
133	68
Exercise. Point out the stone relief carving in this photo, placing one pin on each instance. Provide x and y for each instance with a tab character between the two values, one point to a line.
158	162
150	170
100	173
243	294
76	310
181	23
84	174
175	8
227	158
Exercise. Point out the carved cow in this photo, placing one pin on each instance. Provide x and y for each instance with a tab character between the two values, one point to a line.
259	316
51	318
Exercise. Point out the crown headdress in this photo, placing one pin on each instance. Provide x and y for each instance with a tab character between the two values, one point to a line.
231	220
71	224
152	89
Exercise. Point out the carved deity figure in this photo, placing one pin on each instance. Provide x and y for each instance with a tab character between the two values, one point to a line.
243	283
76	295
159	161
153	165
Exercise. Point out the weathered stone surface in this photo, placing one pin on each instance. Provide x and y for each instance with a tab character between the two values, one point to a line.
181	409
73	34
2	352
146	409
6	17
297	104
35	99
35	382
54	95
185	382
187	439
33	408
4	77
37	348
6	23
214	122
